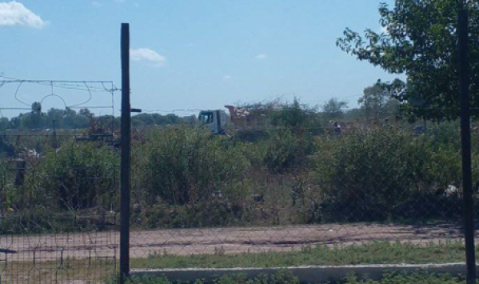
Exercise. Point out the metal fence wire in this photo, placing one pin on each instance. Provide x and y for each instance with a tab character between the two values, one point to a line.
55	226
200	201
278	197
58	185
288	194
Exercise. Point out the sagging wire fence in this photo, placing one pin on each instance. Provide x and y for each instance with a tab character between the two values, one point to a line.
289	191
222	193
374	192
58	182
285	196
276	190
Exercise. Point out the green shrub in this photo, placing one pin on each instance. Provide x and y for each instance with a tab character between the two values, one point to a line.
285	277
402	278
78	176
287	151
185	165
281	277
184	177
298	118
380	174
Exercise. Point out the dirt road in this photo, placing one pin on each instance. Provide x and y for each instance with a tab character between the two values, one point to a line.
206	241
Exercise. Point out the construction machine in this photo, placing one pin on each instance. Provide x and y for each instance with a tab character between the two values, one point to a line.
237	119
216	121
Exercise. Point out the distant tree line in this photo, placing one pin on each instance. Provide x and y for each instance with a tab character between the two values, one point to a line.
152	119
83	119
378	102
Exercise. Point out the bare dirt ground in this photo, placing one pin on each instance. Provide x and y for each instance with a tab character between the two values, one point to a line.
92	257
104	245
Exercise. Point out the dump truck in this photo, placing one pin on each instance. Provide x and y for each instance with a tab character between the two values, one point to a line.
219	122
216	121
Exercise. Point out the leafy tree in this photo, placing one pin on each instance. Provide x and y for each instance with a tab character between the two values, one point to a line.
420	40
296	117
172	118
34	119
144	119
37	108
334	108
55	115
354	114
378	101
4	123
15	122
70	119
82	121
85	112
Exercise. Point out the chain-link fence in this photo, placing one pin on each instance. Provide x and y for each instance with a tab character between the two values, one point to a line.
291	196
297	190
58	183
282	197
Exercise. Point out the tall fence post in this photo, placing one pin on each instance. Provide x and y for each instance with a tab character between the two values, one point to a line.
463	50
125	154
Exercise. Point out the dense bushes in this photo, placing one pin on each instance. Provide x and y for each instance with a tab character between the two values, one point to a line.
286	277
371	175
382	174
63	190
77	176
184	177
280	277
184	165
285	151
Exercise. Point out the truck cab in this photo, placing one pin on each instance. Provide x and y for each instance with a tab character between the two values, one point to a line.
214	120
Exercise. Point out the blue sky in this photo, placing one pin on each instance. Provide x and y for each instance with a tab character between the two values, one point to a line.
193	54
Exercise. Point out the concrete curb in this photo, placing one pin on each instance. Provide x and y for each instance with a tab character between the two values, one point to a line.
306	274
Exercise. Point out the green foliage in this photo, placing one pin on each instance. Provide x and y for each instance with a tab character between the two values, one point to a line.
421	41
296	117
70	119
289	144
185	165
147	280
155	119
78	176
402	278
4	123
6	149
381	174
184	177
53	118
286	151
366	253
334	108
281	277
285	277
379	102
